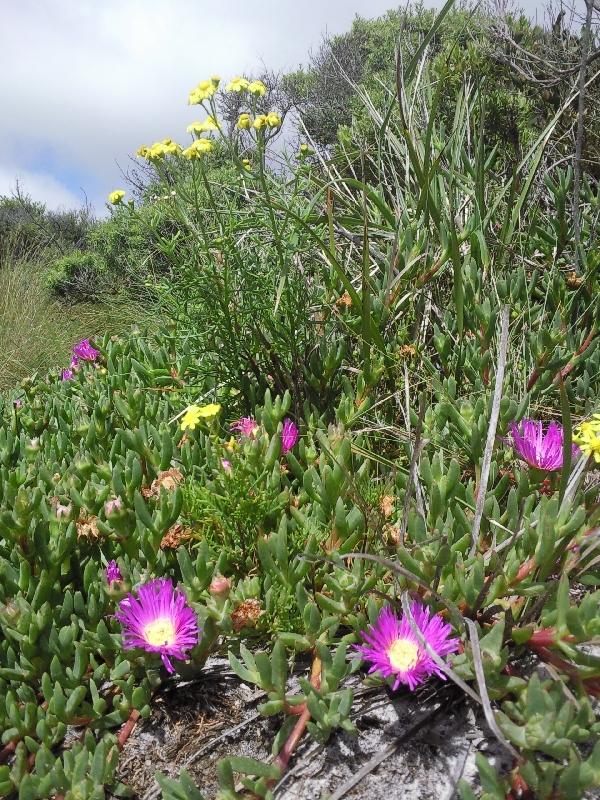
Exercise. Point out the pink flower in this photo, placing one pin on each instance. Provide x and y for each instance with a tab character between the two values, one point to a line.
67	375
226	464
247	426
18	403
289	436
113	573
540	450
159	621
83	350
112	505
393	649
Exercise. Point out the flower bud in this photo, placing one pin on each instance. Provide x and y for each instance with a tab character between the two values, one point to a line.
220	586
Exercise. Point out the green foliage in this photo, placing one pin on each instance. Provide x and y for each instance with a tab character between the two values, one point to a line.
79	275
364	304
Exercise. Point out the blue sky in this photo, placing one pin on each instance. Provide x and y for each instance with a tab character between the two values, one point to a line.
84	82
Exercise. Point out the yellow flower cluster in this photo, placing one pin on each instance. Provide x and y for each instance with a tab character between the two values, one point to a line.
116	196
209	124
270	120
587	436
198	148
204	91
242	85
166	147
193	415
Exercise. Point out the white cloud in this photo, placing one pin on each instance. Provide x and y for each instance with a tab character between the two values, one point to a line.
90	81
38	185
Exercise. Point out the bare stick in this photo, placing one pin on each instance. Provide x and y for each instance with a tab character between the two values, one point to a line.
491	437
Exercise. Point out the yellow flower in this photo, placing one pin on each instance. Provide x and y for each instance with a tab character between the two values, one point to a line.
305	150
244	121
587	436
257	87
246	163
215	80
171	147
198	148
209	124
116	196
193	415
203	91
238	85
273	119
142	151
260	121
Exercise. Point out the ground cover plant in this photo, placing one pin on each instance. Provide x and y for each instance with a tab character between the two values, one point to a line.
364	442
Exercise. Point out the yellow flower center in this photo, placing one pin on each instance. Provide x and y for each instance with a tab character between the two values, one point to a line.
403	654
160	632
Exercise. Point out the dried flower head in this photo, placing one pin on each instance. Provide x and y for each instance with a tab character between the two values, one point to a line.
246	615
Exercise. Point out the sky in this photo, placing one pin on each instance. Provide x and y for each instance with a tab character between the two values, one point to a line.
84	82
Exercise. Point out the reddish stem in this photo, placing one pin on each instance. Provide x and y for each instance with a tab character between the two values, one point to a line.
127	728
286	752
584	346
7	751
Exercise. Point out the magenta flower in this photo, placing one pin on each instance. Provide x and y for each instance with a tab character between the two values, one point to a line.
226	464
247	426
393	649
540	450
113	573
158	621
18	403
67	374
289	436
84	351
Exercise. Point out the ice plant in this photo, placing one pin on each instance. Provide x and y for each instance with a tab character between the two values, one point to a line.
113	505
158	620
247	426
289	436
67	374
587	436
83	350
193	414
394	651
113	573
541	450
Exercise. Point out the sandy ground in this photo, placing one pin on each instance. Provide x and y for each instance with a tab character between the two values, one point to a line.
414	747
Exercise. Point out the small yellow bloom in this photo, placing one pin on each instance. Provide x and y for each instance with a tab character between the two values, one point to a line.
215	80
203	91
273	119
142	151
246	163
238	85
260	121
198	148
305	150
193	415
587	436
209	124
116	196
244	122
257	87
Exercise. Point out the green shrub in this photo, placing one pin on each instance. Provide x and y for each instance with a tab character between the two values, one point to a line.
80	275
